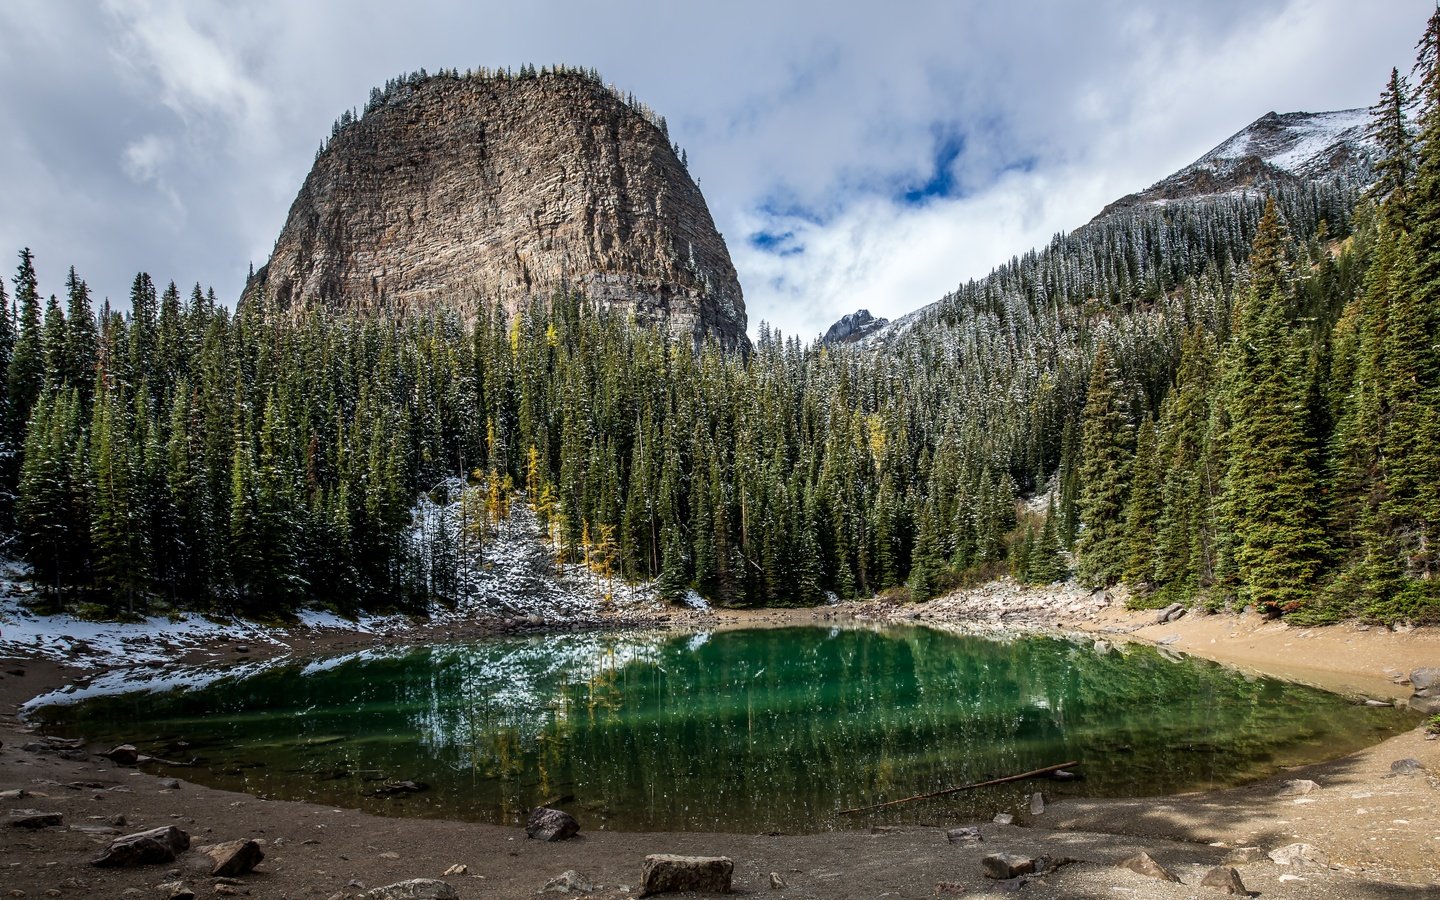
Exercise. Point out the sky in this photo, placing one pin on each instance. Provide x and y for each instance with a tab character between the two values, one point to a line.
854	155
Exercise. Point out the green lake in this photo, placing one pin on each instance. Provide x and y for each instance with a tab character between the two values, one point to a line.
747	730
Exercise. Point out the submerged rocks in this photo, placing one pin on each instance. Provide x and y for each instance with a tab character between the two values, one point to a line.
400	788
1143	863
158	845
545	824
666	873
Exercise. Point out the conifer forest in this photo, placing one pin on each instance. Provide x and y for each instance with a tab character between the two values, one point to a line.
1222	402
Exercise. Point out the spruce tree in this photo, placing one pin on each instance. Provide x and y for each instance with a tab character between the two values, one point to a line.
1105	448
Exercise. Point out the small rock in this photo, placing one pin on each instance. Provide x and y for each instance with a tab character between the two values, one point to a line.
1243	855
176	890
1169	613
229	890
1378	704
1226	879
234	857
1299	855
1037	804
14	795
158	845
1406	766
967	835
665	873
1143	863
242	648
170	784
1298	787
117	821
568	882
125	755
776	882
414	889
34	818
1003	819
545	824
457	869
389	854
1064	775
1001	866
949	888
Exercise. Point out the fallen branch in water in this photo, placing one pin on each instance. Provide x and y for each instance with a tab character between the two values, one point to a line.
966	787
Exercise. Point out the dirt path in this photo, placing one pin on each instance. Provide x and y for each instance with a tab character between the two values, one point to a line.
1381	832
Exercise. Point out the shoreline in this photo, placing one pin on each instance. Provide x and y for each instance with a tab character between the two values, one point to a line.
1381	832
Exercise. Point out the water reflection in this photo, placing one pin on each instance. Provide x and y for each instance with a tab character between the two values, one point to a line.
737	730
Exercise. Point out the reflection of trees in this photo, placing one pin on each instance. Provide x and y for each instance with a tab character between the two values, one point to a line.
747	730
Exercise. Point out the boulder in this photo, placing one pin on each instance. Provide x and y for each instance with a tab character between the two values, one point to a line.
776	882
1298	787
967	835
545	824
1425	680
1169	613
1426	706
414	889
568	882
1037	804
1143	863
34	818
1299	855
666	873
158	845
1226	879
1003	819
125	755
1243	855
233	857
1406	766
1007	865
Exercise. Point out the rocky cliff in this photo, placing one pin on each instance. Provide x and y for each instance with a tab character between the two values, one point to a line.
457	192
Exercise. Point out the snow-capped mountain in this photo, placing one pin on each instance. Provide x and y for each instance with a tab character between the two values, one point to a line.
1277	148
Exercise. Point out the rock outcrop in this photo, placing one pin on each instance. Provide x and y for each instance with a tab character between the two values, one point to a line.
461	192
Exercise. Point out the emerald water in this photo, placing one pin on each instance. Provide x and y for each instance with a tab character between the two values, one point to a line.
750	730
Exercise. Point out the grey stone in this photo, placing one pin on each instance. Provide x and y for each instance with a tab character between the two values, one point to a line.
125	755
1298	787
545	824
1299	856
1225	879
1425	678
665	873
1427	706
1003	819
1407	766
234	857
967	835
1170	613
776	882
170	784
1143	863
34	818
1037	804
1001	866
158	845
414	889
568	882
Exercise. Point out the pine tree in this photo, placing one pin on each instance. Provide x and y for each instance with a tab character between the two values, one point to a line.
1104	476
1142	513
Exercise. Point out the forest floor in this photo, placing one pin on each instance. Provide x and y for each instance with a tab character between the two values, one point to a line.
1379	832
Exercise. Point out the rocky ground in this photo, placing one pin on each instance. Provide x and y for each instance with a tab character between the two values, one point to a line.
1370	821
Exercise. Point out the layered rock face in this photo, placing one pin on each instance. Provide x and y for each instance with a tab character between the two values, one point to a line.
459	192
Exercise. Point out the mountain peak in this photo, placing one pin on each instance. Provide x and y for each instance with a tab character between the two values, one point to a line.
1275	149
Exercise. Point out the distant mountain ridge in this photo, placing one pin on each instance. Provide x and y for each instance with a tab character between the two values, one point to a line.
1276	151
